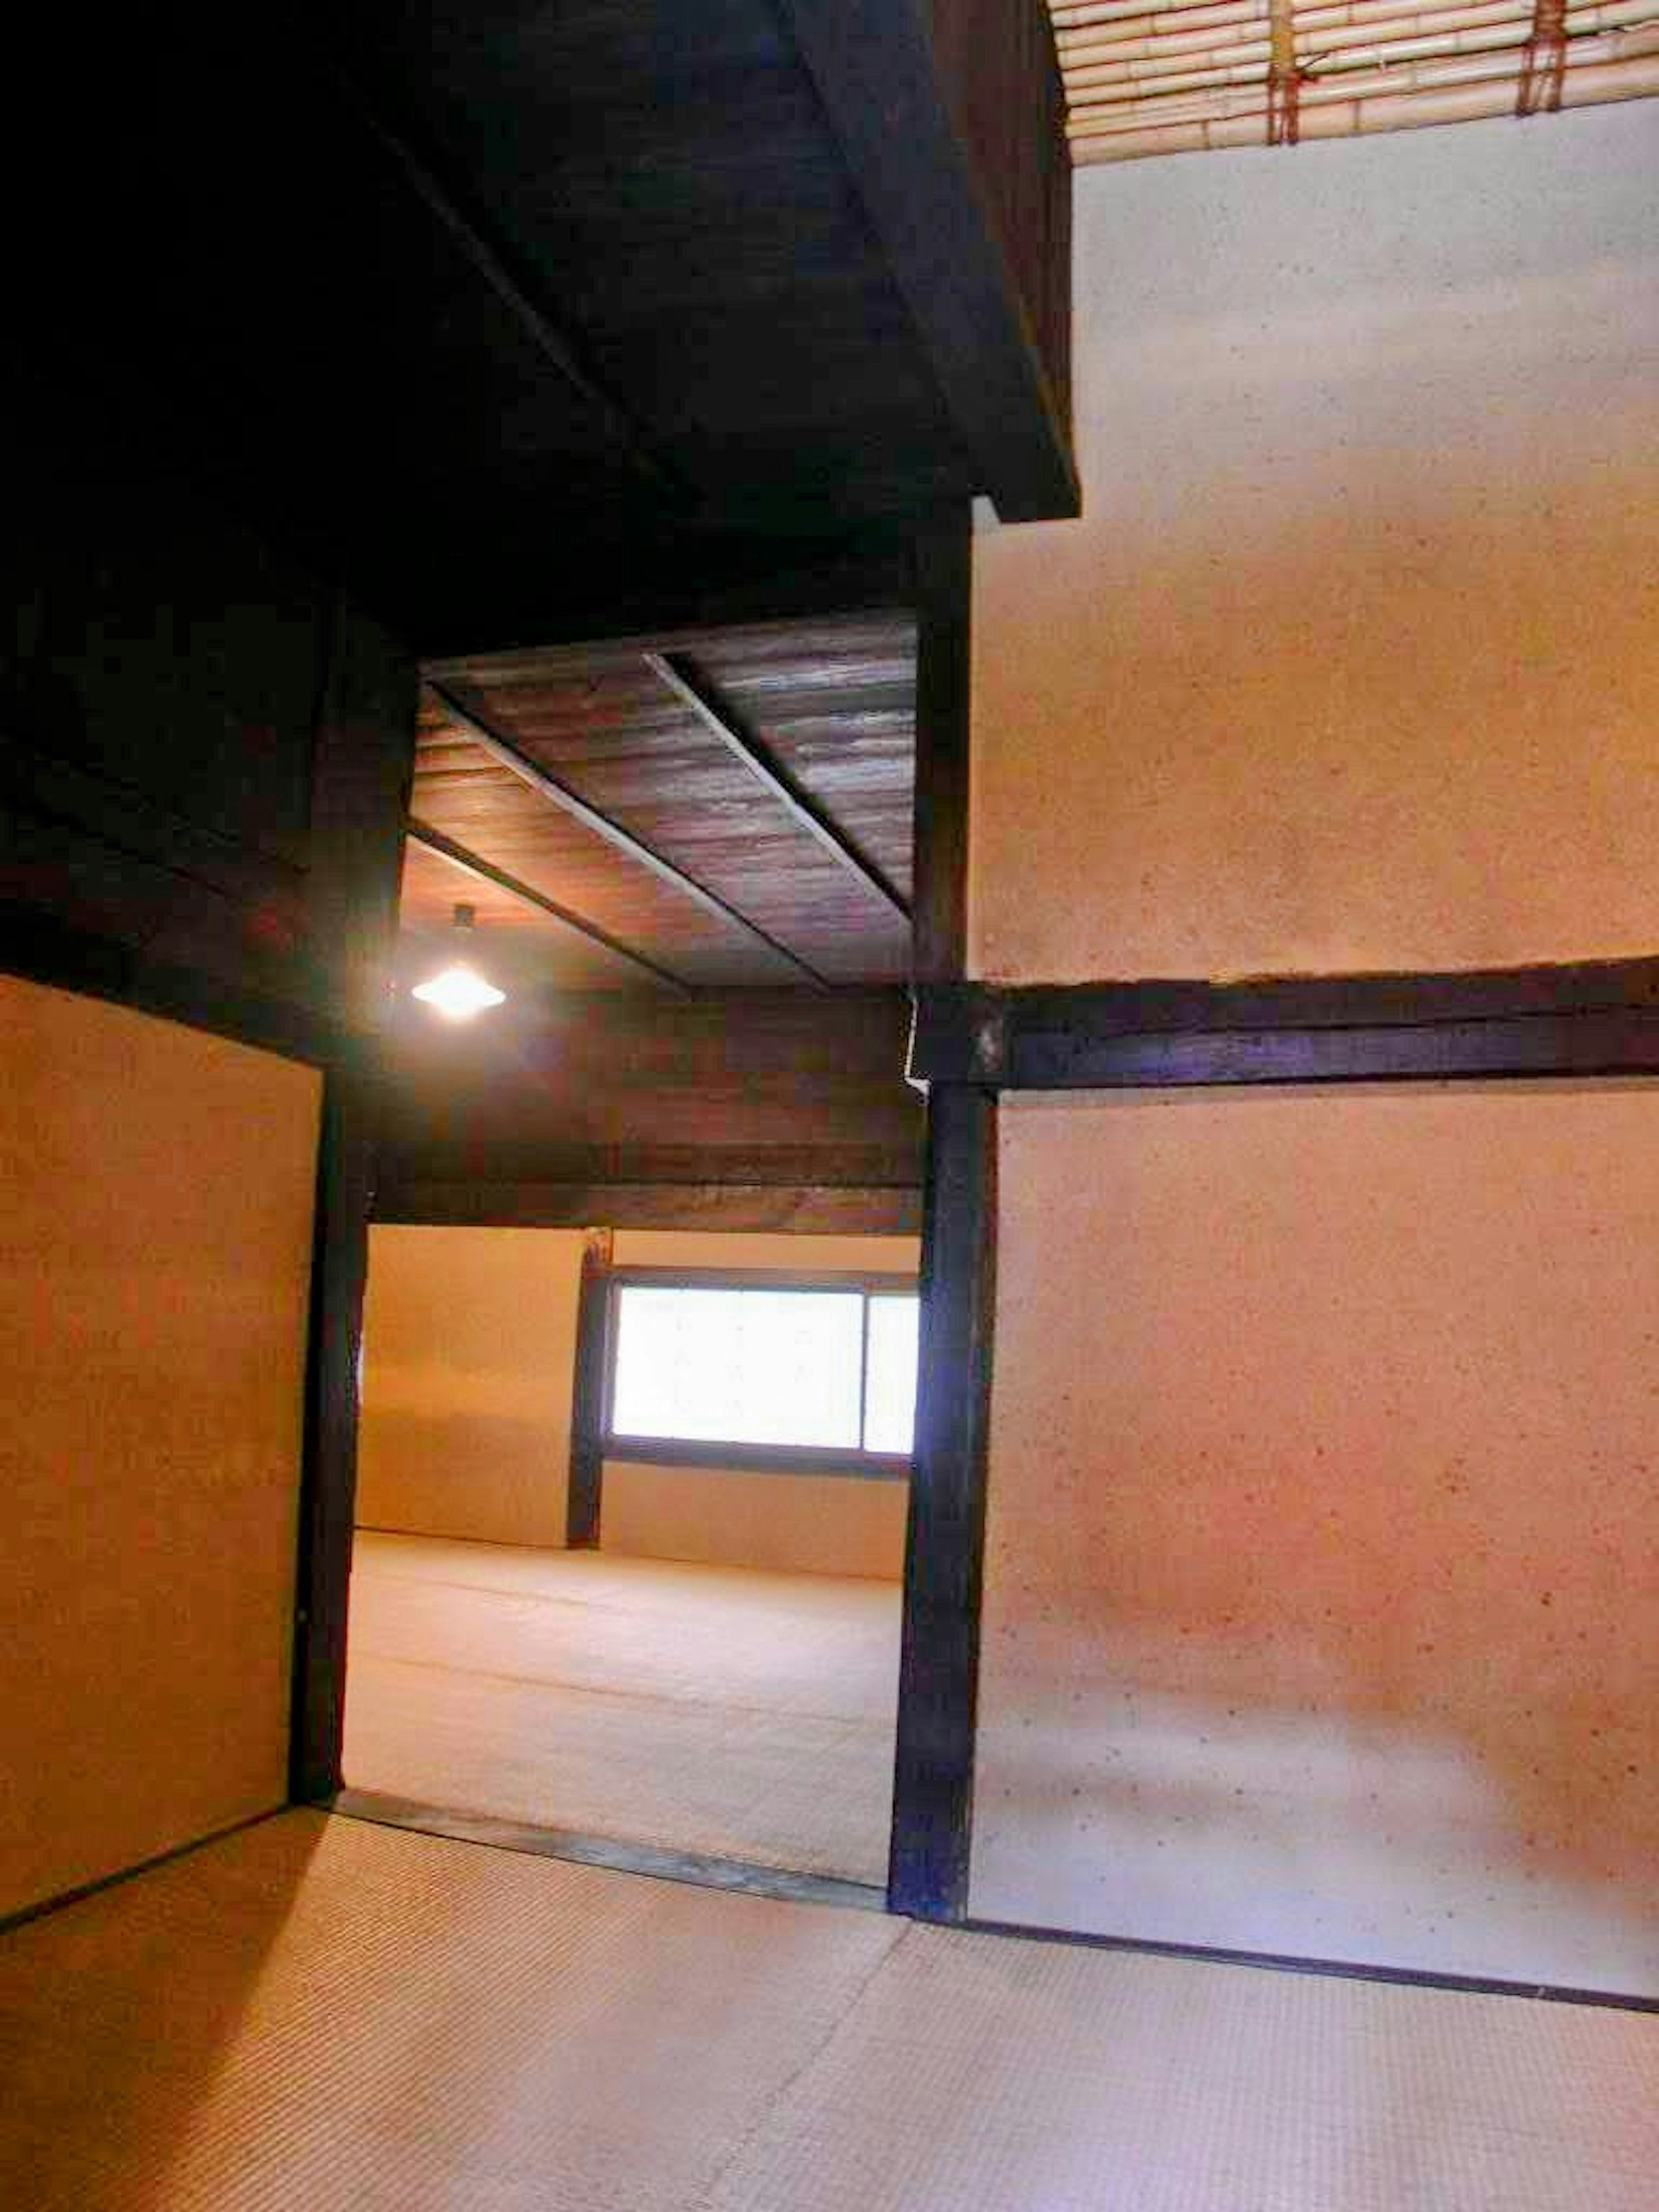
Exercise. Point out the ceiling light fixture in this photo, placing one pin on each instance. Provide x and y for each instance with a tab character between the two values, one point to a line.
458	991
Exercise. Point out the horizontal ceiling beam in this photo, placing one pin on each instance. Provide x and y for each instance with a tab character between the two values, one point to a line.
680	674
584	592
815	1209
472	863
570	802
1584	1018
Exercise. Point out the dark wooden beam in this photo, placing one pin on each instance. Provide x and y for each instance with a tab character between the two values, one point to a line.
328	1487
472	863
880	84
682	676
939	1663
605	590
590	1388
570	802
944	640
1582	1019
47	950
364	756
800	1209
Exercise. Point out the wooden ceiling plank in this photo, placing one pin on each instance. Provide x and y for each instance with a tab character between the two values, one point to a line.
470	863
569	802
681	675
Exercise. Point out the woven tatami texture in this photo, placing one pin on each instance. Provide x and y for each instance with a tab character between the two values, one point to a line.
319	2014
725	1710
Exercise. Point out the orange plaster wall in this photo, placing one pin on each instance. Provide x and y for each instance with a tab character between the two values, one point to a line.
1353	660
1324	1526
469	1351
805	1524
157	1189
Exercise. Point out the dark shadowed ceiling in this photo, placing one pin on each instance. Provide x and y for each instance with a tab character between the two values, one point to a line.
530	322
517	314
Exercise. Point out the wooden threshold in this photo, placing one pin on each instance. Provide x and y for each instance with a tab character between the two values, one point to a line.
701	1870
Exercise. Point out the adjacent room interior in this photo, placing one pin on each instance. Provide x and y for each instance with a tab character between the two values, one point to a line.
633	1479
1024	1324
710	1667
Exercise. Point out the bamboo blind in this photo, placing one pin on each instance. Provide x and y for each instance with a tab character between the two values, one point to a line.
1177	76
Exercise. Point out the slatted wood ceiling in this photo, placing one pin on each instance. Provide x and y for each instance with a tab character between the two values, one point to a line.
832	702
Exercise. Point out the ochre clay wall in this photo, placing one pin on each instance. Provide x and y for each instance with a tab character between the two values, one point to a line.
807	1524
1324	1526
469	1349
1352	661
1322	1508
156	1190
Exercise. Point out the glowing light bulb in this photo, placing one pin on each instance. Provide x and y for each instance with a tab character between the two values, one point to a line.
459	993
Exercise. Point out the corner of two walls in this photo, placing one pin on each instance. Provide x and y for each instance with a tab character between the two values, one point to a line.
469	1361
1323	1520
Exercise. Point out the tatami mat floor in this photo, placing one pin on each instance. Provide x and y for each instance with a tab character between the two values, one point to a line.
317	2013
742	1714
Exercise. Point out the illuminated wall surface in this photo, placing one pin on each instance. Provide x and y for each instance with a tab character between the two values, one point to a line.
1324	1526
1321	1561
157	1189
1353	661
469	1345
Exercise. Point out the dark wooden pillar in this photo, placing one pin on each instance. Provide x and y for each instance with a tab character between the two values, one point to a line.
939	1668
361	766
587	1406
339	1271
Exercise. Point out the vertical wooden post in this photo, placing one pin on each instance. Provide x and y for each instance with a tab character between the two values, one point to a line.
939	1667
362	763
587	1406
339	1271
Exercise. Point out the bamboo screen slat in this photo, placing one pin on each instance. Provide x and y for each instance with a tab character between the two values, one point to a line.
1177	76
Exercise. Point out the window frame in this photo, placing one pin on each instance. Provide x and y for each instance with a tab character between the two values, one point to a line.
852	1461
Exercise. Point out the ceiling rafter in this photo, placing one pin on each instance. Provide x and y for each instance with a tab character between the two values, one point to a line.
470	863
680	673
540	779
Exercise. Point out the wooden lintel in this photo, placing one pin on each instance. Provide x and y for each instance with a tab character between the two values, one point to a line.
1586	1019
801	1209
618	590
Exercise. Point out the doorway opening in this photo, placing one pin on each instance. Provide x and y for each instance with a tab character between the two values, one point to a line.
641	1332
